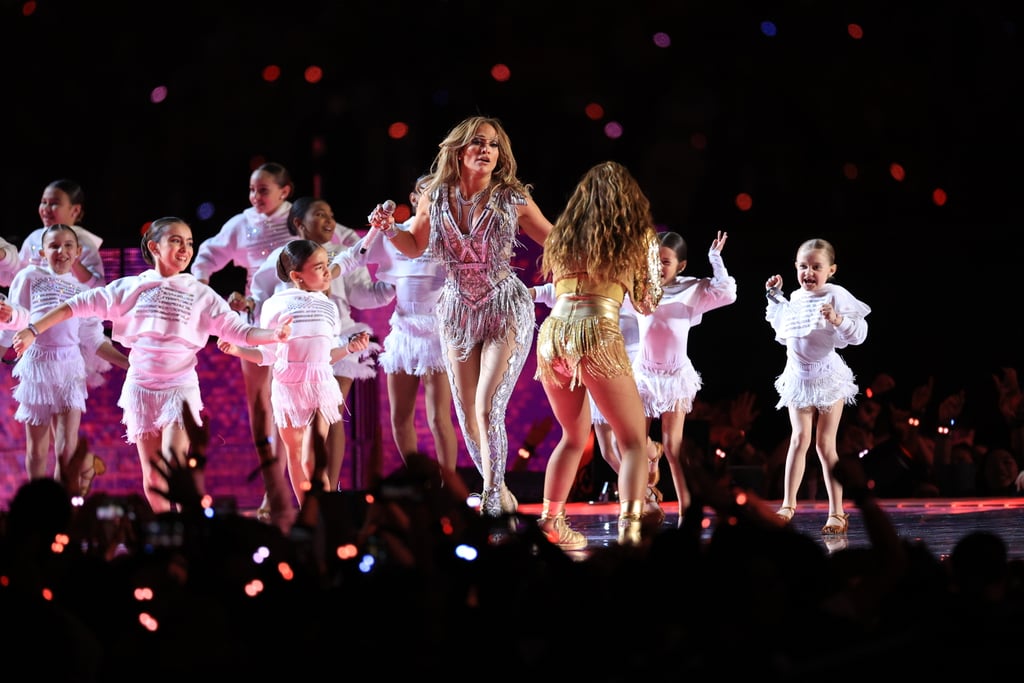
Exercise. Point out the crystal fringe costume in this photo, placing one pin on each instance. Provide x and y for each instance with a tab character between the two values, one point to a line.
482	300
815	375
664	373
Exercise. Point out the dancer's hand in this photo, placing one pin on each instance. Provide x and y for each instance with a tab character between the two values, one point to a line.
283	331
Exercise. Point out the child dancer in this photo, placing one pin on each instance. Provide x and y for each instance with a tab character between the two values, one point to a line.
164	316
665	376
305	397
353	287
413	355
52	390
246	239
63	202
816	382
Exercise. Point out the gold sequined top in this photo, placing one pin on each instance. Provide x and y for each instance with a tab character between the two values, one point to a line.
580	284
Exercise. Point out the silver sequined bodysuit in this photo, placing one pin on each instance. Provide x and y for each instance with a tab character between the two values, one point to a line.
483	300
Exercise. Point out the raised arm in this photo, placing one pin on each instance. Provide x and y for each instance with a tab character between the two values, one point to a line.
413	241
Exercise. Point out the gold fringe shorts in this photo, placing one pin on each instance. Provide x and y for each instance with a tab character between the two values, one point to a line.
581	328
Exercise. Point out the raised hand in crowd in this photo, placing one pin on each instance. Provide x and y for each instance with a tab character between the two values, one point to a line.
743	410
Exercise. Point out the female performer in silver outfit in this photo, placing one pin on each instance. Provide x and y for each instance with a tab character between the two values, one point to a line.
470	213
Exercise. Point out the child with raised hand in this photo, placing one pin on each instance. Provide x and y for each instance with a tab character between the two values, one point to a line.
666	378
52	389
816	382
164	316
305	397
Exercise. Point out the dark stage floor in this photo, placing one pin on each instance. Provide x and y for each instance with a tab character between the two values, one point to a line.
938	523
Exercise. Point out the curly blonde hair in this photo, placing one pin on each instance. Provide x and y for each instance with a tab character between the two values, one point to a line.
606	228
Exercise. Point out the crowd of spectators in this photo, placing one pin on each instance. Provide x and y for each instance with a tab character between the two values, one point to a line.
408	580
411	581
912	443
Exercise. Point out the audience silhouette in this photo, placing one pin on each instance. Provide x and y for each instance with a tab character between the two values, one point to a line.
408	576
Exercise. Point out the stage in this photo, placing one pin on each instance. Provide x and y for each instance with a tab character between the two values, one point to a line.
937	523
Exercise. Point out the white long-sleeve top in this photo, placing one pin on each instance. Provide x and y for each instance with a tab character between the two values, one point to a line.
315	332
164	321
35	291
247	239
808	337
664	334
356	288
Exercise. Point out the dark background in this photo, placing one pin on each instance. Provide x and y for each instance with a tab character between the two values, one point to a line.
934	88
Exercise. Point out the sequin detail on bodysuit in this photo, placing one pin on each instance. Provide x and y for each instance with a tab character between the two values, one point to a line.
482	300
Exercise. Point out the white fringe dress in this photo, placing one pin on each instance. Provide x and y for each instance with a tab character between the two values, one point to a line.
815	375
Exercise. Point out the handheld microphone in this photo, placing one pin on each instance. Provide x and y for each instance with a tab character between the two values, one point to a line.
387	208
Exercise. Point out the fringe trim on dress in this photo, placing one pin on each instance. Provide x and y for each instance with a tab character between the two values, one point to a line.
148	411
413	346
507	309
51	381
296	403
563	344
667	391
819	389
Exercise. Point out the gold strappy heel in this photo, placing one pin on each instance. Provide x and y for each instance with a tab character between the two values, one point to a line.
831	529
88	474
654	470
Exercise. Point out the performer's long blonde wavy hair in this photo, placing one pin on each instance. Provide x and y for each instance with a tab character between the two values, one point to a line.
447	168
605	230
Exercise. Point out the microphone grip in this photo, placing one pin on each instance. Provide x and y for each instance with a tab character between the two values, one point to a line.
387	208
